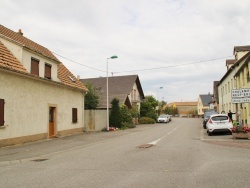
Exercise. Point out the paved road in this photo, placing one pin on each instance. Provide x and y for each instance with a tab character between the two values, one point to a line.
178	154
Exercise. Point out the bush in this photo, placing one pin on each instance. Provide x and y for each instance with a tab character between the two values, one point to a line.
115	119
146	120
126	125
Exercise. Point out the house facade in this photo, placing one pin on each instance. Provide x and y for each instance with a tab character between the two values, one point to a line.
39	97
204	103
127	89
236	77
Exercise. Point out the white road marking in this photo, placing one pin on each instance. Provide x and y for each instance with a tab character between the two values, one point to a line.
156	141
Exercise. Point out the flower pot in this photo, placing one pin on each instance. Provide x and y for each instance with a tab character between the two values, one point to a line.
241	135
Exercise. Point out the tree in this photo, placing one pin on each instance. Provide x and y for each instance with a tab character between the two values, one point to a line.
170	110
115	119
91	99
125	114
148	107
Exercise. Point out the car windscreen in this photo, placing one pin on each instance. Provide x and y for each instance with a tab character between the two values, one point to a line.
220	118
162	116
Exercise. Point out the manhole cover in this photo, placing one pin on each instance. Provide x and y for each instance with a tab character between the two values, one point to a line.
39	160
145	146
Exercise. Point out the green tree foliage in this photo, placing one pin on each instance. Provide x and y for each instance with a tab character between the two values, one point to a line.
170	110
115	119
193	112
148	107
125	114
91	99
134	111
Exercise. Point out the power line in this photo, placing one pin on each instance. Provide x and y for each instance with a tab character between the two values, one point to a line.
184	64
154	68
78	63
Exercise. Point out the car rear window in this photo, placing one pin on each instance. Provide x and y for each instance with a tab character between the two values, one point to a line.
220	118
210	113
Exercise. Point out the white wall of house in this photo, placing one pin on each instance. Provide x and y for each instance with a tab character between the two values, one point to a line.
15	48
225	92
243	81
134	96
200	107
239	55
27	102
26	61
24	56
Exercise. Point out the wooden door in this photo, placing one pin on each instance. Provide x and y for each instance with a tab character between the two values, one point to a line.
52	121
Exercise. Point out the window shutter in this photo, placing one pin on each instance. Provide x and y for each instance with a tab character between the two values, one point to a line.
34	67
74	115
47	73
1	112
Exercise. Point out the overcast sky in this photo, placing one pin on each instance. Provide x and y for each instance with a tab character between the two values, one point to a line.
180	45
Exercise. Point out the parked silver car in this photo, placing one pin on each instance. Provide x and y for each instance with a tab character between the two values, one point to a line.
163	118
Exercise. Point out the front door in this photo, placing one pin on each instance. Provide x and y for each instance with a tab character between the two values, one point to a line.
52	111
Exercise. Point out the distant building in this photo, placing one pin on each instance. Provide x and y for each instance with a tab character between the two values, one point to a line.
127	89
184	108
204	103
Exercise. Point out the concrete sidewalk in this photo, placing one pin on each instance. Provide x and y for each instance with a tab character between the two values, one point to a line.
44	148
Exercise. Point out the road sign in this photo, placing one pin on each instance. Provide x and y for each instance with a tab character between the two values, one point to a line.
240	95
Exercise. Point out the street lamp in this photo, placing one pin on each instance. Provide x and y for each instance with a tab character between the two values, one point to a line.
112	57
158	99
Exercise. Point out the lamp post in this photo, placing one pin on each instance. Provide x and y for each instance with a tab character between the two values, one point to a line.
112	57
158	99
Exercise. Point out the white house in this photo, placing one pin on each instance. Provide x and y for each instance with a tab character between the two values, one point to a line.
229	81
39	97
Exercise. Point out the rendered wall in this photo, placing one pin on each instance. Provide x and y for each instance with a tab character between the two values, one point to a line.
95	120
27	104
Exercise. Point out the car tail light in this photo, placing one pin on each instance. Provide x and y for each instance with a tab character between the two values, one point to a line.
210	121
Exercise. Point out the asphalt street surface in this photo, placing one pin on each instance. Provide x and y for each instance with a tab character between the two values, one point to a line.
176	154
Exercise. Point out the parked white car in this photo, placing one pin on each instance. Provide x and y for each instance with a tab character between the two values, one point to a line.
163	118
218	123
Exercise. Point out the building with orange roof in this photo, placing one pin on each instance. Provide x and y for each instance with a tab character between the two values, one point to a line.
184	108
39	97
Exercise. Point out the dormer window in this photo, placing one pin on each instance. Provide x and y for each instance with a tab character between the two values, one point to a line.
47	71
34	68
72	79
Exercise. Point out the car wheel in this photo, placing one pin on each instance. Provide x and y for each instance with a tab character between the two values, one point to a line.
204	126
209	133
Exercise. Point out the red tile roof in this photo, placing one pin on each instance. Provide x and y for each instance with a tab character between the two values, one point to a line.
68	78
7	60
27	43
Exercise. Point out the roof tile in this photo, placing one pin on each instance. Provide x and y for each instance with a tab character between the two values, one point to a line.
7	60
26	42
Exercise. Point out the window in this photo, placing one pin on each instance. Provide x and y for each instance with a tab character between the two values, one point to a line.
34	67
47	71
1	112
74	115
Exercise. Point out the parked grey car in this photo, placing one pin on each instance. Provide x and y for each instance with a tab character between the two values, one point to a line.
207	115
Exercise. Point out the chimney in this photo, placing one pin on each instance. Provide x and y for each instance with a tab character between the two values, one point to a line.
20	31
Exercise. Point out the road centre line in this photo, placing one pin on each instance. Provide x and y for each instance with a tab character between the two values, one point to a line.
156	141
